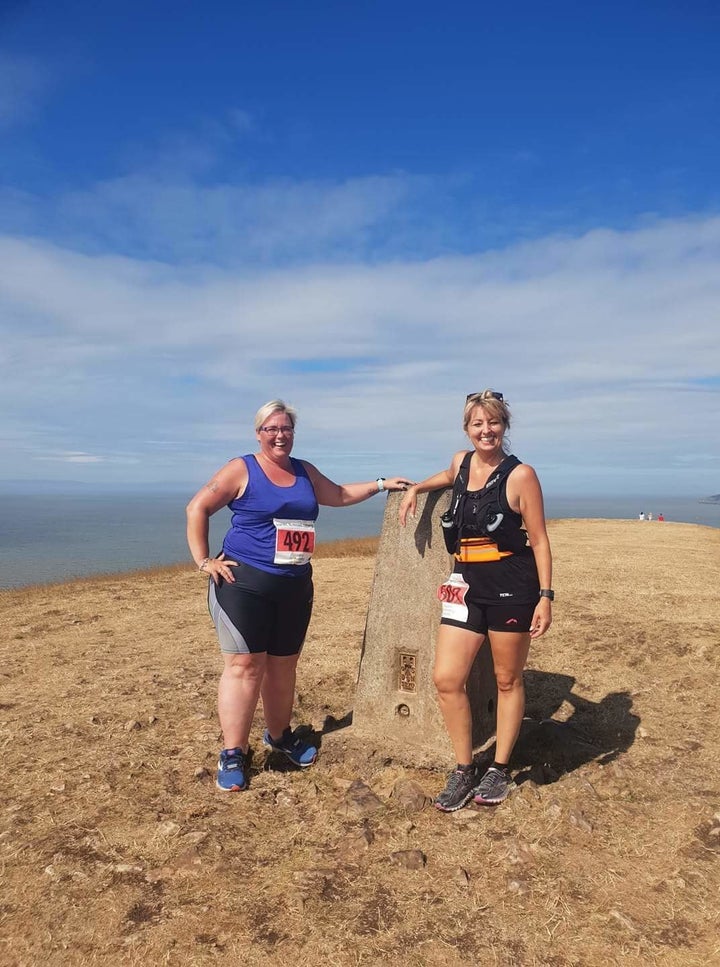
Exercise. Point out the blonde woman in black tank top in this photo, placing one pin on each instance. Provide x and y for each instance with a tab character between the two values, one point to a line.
500	588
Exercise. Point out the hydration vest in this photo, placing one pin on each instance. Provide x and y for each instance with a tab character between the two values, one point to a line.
486	509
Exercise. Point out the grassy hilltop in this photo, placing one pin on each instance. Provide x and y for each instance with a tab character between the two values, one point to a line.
117	849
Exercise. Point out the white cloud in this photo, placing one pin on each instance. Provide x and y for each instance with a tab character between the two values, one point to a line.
167	216
606	346
70	457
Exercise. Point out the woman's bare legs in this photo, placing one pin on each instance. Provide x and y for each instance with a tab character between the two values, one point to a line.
244	679
278	692
238	693
454	655
509	653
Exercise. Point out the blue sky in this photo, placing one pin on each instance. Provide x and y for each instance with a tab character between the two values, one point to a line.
369	210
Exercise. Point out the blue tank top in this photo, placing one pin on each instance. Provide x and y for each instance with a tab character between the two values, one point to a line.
252	536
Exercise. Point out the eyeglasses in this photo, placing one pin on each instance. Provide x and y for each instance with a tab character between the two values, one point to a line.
274	430
496	396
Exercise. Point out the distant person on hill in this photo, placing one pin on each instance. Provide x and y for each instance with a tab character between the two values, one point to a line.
650	516
500	587
641	515
260	592
661	517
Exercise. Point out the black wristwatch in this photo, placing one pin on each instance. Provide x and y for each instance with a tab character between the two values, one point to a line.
547	593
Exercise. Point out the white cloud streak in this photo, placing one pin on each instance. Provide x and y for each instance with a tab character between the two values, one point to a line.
174	219
71	457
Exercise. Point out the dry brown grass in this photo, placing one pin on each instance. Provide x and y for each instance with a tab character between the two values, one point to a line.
116	848
352	547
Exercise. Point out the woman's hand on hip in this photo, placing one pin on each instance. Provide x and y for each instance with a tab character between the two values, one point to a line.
219	568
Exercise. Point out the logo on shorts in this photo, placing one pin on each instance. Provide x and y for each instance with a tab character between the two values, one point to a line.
511	621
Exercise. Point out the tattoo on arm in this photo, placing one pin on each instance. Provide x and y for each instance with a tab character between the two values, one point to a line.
212	486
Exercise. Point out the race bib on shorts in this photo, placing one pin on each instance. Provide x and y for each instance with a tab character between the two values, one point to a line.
294	541
452	595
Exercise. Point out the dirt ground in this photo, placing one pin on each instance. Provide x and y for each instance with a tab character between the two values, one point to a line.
116	848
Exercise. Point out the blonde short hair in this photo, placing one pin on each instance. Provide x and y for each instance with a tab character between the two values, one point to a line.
274	406
492	402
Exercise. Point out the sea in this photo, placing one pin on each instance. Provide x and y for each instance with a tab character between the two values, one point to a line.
46	538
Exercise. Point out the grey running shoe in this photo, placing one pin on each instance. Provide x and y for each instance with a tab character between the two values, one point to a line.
495	786
459	789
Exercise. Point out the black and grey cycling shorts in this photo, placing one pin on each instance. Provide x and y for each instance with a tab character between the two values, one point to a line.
261	612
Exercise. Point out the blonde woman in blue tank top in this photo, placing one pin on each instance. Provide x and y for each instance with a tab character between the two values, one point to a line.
260	590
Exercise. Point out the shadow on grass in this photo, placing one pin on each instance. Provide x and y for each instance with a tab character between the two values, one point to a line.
560	732
278	762
563	731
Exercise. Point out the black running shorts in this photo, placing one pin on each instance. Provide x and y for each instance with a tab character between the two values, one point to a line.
261	612
494	617
465	603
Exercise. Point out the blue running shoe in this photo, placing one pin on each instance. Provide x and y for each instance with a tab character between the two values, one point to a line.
300	751
231	770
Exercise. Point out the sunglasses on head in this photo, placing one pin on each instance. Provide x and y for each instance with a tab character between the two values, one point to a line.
496	396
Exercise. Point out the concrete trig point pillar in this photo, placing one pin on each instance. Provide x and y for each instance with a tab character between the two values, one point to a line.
395	701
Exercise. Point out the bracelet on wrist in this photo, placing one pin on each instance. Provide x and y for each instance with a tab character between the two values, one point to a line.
380	483
203	564
547	593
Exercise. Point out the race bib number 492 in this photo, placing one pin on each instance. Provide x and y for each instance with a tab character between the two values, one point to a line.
294	541
452	595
